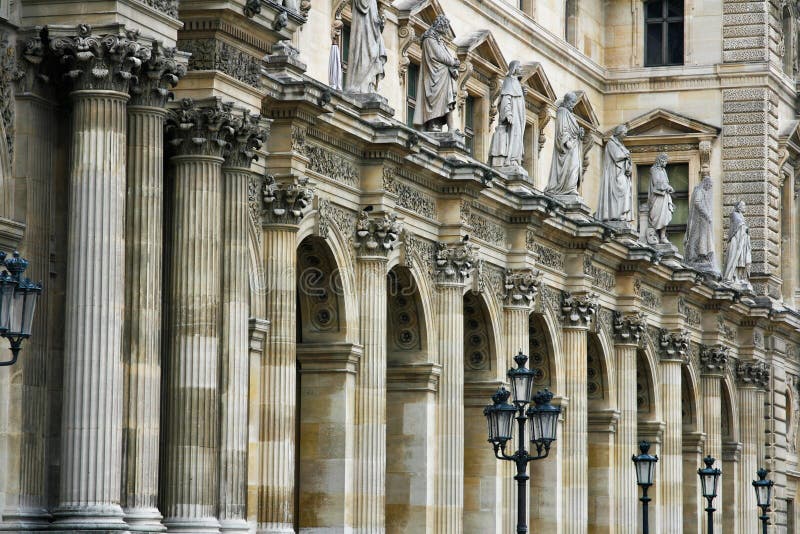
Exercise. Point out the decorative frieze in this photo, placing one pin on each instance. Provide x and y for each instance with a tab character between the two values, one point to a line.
331	215
329	164
409	197
692	314
247	137
650	299
213	54
285	203
600	277
455	263
200	128
752	374
254	188
658	149
150	87
577	311
673	345
9	73
486	230
630	328
547	256
168	7
418	253
376	236
520	287
714	358
728	332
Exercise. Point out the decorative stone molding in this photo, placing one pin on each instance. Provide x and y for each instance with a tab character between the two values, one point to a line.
629	329
409	197
714	359
749	374
200	128
212	54
9	73
151	85
285	203
331	215
376	236
103	62
248	136
408	36
168	7
577	311
521	286
673	345
453	264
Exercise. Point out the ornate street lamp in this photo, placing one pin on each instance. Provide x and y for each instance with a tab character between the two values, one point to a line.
500	419
763	488
645	474
709	480
18	298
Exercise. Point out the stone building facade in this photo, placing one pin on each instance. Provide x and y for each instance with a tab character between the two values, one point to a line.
228	342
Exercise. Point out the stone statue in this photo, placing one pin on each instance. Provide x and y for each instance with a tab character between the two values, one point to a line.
367	51
737	264
566	168
698	244
659	201
436	91
616	191
507	148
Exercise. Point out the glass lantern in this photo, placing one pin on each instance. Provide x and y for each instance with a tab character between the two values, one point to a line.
645	465
521	381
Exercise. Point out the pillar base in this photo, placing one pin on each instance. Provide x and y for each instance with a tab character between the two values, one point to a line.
207	525
234	526
276	528
25	520
144	520
89	519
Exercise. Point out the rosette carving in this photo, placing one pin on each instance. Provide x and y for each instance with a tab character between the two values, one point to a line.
247	137
376	236
285	203
151	87
520	287
201	128
629	329
455	263
673	345
577	311
752	374
714	358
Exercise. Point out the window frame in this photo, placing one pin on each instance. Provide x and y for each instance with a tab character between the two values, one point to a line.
411	102
664	20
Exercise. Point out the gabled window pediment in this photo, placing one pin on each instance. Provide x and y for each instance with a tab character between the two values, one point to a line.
585	112
419	13
481	48
666	126
537	84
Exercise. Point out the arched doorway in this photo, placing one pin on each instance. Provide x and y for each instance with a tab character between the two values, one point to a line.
602	421
693	441
731	450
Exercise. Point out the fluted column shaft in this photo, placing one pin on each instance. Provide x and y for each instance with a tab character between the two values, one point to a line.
450	410
91	437
370	417
751	430
671	458
575	474
142	326
712	426
191	470
234	352
626	443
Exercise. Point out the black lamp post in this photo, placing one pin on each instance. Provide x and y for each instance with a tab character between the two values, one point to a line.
763	489
18	298
709	479
645	474
544	422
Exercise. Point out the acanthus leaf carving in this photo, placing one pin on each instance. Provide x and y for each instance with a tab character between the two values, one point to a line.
455	263
577	310
376	236
247	137
714	358
673	345
160	72
752	374
521	286
200	128
285	203
629	329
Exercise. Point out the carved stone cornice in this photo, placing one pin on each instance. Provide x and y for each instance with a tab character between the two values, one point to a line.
101	62
673	345
629	329
247	137
285	204
168	7
520	287
200	128
714	359
577	310
453	264
376	236
752	374
155	77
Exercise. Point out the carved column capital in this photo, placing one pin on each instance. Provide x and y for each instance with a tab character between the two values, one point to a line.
577	311
673	345
376	236
714	359
247	136
454	263
161	71
521	287
200	128
284	203
752	374
102	62
628	330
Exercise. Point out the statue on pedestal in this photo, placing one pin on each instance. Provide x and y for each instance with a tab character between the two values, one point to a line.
566	169
659	202
438	72
507	150
699	241
367	51
616	191
737	264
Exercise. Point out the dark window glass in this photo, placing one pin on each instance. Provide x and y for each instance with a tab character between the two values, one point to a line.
653	10
412	78
675	43
345	43
469	123
675	9
654	44
663	32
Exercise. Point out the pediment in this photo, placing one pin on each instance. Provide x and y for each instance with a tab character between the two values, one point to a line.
535	81
424	11
789	141
584	110
661	123
481	44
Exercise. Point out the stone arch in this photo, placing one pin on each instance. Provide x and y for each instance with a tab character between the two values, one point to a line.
540	352
602	421
322	316
599	379
692	415
729	415
407	339
552	330
646	402
256	273
693	440
480	340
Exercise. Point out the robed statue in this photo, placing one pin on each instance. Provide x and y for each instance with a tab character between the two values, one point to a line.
659	200
616	191
367	51
740	255
438	72
698	245
507	149
567	166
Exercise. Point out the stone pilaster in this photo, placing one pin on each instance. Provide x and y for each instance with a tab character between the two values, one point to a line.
713	361
752	381
246	138
143	285
577	312
190	472
627	333
282	208
97	69
373	240
453	265
673	350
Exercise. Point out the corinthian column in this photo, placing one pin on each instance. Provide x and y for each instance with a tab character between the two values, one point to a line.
752	380
627	331
577	314
143	286
453	264
714	361
283	207
91	435
673	350
246	138
191	462
373	240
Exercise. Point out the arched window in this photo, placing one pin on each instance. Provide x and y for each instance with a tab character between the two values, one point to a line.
663	41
